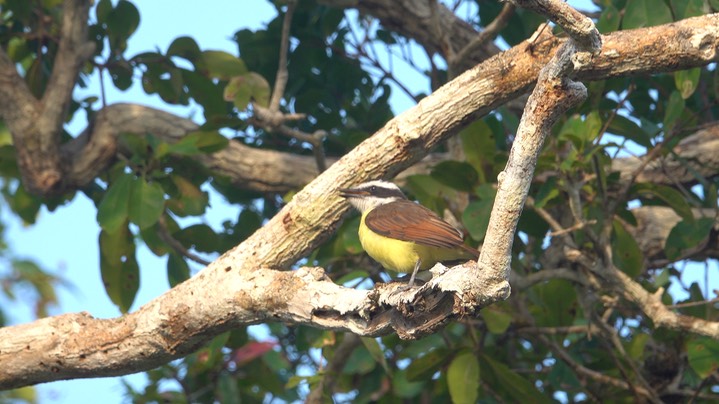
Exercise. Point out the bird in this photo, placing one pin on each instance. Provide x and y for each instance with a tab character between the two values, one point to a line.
403	236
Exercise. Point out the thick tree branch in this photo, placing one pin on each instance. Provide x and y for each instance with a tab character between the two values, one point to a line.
649	303
73	51
553	96
577	25
653	226
224	296
420	20
504	77
36	126
238	289
693	159
191	313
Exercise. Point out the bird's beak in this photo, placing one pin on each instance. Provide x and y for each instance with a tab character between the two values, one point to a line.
351	192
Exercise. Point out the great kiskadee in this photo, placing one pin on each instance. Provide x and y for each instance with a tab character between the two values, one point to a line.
402	235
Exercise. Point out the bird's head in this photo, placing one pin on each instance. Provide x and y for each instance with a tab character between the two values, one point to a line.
369	195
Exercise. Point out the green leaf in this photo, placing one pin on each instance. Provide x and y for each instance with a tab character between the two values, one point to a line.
424	367
23	203
206	92
674	109
191	201
245	88
673	198
404	388
687	8
476	216
177	270
572	129
211	142
153	241
201	237
548	191
463	378
662	279
636	346
122	22
497	321
558	299
581	130
222	65
187	146
113	210
685	235
104	7
531	223
592	126
703	355
375	350
121	75
609	19
228	390
185	47
118	267
623	126
430	192
456	174
687	81
646	13
626	253
147	203
562	375
514	386
478	143
359	362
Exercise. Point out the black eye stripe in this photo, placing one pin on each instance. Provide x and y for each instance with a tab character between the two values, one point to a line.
382	192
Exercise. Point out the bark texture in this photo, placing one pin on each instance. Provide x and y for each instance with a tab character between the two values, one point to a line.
249	284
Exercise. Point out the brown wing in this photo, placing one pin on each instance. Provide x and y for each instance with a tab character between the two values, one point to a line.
408	221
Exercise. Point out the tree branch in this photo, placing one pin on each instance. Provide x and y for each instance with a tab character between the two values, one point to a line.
553	96
649	303
417	20
36	127
334	368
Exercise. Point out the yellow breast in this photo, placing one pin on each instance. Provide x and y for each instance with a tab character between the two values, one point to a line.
401	256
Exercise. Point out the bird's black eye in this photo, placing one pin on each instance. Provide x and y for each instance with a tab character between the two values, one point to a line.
373	188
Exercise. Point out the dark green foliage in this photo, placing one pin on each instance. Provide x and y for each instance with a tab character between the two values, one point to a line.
527	349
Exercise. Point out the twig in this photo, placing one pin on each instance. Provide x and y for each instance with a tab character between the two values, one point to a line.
573	228
334	367
572	329
589	373
557	229
165	235
489	32
611	335
527	281
271	118
447	50
561	354
694	304
282	75
649	303
648	158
